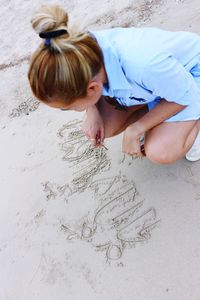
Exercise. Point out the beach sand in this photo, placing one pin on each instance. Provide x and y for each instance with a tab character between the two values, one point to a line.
89	224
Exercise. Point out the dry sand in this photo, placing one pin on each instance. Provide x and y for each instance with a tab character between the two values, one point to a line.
84	224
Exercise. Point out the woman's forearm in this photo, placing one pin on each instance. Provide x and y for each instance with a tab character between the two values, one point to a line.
94	107
162	111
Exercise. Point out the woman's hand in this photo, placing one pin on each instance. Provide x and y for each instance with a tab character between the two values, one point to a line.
93	126
131	142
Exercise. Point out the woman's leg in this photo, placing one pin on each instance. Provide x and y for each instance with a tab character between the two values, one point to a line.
170	141
116	121
164	144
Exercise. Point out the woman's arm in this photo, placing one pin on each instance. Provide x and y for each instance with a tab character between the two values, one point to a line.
93	126
162	111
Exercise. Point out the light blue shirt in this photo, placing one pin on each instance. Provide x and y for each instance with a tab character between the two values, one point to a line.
146	64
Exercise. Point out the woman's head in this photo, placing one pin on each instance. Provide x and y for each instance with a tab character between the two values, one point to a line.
63	67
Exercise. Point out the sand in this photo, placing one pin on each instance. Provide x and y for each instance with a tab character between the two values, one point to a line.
84	224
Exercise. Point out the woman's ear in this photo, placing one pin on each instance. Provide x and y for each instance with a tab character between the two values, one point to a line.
94	87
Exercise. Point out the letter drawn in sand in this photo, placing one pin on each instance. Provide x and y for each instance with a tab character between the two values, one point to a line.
121	221
86	160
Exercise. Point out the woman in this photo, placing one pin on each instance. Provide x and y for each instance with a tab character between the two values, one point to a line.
151	76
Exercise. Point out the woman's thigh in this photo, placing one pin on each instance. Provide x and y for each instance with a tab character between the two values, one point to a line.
170	141
115	120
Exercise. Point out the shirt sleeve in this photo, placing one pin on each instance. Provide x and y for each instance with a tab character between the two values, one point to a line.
165	77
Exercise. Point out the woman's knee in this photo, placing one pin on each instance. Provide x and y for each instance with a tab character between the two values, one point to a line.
110	132
169	142
161	153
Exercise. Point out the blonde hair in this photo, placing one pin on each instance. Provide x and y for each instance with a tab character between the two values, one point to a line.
65	67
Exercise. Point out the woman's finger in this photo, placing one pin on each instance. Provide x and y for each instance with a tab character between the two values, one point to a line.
87	136
102	135
93	141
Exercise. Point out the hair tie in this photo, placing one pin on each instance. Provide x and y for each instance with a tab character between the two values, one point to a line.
52	34
47	42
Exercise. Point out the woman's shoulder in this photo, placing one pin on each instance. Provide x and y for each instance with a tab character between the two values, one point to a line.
128	46
125	42
118	33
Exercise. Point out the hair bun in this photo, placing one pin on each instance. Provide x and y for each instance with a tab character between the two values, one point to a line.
49	18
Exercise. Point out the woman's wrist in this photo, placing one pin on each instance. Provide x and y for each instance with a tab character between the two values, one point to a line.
138	129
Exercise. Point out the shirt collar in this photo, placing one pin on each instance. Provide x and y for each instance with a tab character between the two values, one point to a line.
114	71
